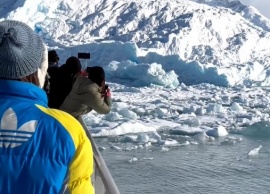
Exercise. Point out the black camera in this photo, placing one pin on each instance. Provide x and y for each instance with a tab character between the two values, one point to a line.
106	87
84	55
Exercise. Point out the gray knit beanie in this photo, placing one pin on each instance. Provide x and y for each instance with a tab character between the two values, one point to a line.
21	50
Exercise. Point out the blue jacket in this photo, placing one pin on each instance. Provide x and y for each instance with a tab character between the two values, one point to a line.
40	146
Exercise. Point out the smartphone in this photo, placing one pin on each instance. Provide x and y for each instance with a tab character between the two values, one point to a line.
84	55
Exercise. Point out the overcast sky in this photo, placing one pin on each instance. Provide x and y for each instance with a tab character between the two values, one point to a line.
262	5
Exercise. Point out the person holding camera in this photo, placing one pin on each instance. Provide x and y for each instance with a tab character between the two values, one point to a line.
88	93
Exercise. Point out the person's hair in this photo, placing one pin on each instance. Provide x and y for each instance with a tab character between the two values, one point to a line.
53	56
72	66
96	74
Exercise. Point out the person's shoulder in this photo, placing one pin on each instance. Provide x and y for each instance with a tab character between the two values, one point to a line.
69	123
82	78
87	84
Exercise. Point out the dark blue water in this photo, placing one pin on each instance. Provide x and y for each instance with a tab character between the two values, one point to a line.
202	169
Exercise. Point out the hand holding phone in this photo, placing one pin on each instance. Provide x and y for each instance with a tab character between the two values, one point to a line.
108	93
104	90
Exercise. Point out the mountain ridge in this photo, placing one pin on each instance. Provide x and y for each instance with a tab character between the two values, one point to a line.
224	34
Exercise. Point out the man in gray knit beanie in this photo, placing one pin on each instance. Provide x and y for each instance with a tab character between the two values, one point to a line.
39	146
22	53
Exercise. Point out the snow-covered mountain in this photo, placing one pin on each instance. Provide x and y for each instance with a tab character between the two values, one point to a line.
218	41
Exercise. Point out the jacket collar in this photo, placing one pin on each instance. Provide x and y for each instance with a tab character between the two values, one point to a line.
23	90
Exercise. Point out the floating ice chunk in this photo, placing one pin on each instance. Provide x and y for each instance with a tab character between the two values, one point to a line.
101	148
120	105
143	138
113	138
144	158
192	122
185	143
142	74
244	121
216	108
244	115
230	141
236	107
201	137
139	111
226	98
129	148
148	144
193	114
170	142
128	114
217	97
113	116
164	149
255	151
185	130
116	148
211	139
133	160
154	135
258	129
258	113
219	108
243	99
217	132
162	112
183	86
194	143
200	111
193	108
186	110
190	110
122	128
91	120
128	89
129	138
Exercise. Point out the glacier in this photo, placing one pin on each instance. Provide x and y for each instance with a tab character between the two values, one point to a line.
224	43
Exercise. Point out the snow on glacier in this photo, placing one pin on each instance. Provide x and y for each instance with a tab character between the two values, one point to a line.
219	42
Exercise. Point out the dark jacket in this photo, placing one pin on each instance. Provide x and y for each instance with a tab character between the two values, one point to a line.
60	86
53	70
50	76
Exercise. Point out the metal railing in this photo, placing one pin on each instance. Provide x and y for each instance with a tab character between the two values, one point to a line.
100	165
